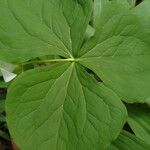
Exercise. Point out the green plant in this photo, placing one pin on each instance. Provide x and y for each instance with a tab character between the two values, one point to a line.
79	60
3	126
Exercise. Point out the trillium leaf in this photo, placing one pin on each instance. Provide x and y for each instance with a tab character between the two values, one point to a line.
98	7
119	54
139	121
89	33
107	24
78	14
143	17
63	108
127	141
30	29
132	2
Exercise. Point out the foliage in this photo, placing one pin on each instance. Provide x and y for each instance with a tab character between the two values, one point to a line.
3	126
78	63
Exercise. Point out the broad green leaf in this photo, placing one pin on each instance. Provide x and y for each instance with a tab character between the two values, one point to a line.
132	2
139	121
63	108
77	14
109	20
33	28
128	141
126	3
89	33
116	108
119	53
142	11
7	66
98	7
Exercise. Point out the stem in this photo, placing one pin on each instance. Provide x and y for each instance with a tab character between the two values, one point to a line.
51	60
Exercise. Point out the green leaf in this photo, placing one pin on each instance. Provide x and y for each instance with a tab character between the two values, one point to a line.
98	7
127	141
2	119
7	66
139	121
126	3
143	17
89	33
31	29
4	135
119	53
132	2
2	105
3	84
107	24
78	14
63	108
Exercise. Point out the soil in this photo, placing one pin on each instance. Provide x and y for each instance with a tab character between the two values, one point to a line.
5	145
15	146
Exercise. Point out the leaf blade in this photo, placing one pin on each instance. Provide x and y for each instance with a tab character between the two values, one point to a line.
69	114
127	141
120	54
139	121
30	29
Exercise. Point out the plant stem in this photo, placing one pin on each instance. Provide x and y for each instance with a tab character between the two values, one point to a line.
51	60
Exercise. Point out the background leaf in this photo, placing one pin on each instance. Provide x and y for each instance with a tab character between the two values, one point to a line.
98	6
143	17
132	2
139	121
127	141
